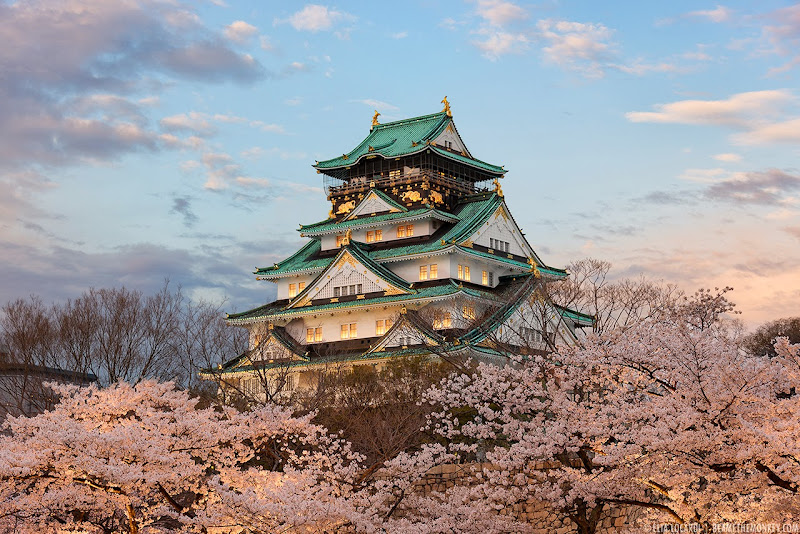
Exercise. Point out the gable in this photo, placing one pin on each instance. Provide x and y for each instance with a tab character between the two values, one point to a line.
267	350
449	138
404	334
373	203
351	273
499	229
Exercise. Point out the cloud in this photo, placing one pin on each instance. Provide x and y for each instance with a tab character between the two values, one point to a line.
582	47
315	17
194	122
500	13
496	44
758	117
793	230
718	14
182	205
738	110
728	157
704	175
776	132
240	31
771	187
399	35
221	170
63	105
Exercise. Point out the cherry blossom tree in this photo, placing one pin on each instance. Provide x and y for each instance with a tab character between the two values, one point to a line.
144	459
669	417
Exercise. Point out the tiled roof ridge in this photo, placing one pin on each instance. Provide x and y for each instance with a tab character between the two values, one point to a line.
399	122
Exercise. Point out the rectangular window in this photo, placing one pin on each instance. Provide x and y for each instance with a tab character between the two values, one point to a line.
409	230
313	334
491	242
460	272
292	290
380	327
301	286
423	272
468	311
484	278
337	291
434	271
466	273
406	230
378	235
349	331
491	278
401	231
370	236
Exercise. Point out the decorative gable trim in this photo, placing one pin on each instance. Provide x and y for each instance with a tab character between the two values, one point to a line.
451	140
375	201
351	267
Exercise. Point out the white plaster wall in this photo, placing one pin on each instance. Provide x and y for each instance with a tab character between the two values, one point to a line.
408	270
422	227
331	322
283	284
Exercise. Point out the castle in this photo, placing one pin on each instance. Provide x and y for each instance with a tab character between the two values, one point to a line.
418	255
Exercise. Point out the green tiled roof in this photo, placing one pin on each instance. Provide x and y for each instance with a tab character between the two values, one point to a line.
299	261
276	309
401	138
469	161
471	214
581	319
331	224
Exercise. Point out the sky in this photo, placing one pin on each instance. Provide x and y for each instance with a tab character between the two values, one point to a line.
144	140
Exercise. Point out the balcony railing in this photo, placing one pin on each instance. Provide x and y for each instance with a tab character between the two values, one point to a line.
383	181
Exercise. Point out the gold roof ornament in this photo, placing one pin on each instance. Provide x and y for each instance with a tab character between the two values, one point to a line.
403	309
534	268
498	188
375	119
447	107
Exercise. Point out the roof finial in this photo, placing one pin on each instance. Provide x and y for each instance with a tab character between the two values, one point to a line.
375	119
447	107
348	235
497	188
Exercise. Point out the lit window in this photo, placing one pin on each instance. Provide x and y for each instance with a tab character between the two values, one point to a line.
468	312
370	236
460	272
292	290
348	331
378	235
434	271
484	278
423	272
380	327
313	334
406	230
466	272
301	286
288	383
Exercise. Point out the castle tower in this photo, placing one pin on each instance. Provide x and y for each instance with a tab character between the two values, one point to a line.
418	251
